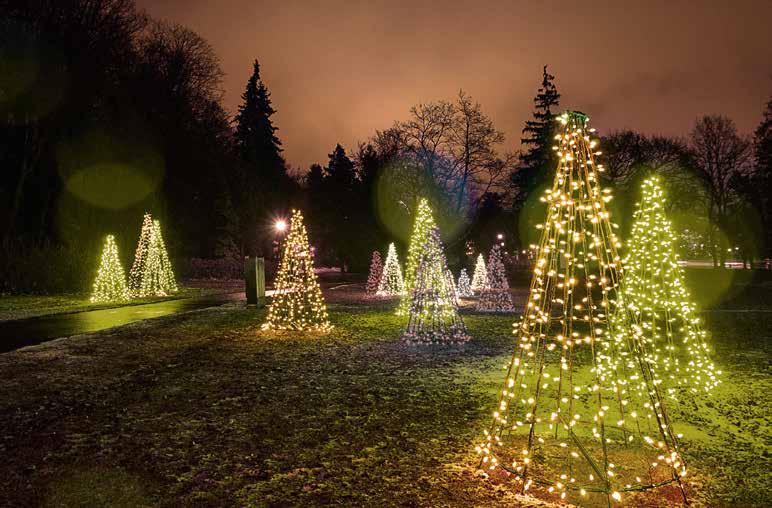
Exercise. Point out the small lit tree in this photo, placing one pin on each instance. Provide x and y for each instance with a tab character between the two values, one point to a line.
374	277
110	283
391	283
140	256
480	275
297	302
423	225
464	287
157	274
664	314
495	296
433	313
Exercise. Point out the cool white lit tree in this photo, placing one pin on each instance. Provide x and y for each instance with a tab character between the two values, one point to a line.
297	302
110	283
480	275
391	283
433	312
581	410
464	287
495	295
664	316
374	277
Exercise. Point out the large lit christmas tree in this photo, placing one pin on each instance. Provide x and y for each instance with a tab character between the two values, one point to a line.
374	276
480	275
297	302
110	283
495	295
391	283
140	256
423	225
581	412
433	311
464	286
664	316
157	273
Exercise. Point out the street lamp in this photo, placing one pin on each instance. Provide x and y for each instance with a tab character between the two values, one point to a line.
280	225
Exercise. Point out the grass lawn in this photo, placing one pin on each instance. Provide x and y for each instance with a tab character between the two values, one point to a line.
206	409
27	306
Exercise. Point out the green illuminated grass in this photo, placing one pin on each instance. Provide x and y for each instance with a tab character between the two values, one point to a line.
205	409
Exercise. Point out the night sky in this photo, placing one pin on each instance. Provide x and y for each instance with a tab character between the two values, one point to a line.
337	71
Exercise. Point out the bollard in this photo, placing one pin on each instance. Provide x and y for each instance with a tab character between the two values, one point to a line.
254	276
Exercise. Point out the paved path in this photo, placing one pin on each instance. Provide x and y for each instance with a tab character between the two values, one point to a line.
27	332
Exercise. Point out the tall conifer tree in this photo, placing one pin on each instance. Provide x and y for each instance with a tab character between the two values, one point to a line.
265	183
538	134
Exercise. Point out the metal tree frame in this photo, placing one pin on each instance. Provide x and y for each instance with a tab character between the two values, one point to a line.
433	310
570	321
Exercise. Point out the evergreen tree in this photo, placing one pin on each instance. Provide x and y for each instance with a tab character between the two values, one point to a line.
464	287
265	184
480	275
298	303
342	186
374	276
227	225
391	283
110	283
495	295
538	133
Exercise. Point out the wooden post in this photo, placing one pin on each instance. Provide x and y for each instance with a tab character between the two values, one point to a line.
254	276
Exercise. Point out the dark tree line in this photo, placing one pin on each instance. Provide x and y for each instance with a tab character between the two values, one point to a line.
106	113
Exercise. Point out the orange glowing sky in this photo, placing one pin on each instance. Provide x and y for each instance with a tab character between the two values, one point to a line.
338	70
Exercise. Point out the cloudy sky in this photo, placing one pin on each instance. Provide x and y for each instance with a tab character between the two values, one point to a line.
339	70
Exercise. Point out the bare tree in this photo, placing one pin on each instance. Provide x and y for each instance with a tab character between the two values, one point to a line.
455	144
720	154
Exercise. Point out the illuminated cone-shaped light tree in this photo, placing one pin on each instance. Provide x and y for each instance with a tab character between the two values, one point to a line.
422	227
663	314
297	302
580	412
480	275
157	274
374	277
433	311
464	286
110	283
140	256
495	295
391	283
